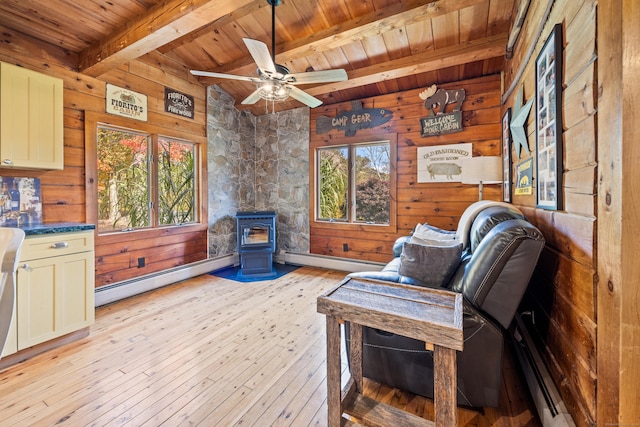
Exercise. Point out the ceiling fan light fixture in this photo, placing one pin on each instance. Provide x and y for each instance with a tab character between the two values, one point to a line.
273	90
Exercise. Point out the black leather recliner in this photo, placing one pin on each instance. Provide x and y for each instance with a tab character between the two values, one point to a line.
497	264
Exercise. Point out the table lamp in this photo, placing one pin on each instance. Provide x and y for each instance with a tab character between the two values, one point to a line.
482	170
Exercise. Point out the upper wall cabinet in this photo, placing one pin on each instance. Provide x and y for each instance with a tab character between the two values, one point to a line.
31	119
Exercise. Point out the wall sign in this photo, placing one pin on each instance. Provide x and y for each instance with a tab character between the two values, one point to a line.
178	103
354	120
438	122
126	103
524	177
442	163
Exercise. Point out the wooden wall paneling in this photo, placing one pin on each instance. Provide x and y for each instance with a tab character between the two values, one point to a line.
580	145
562	275
618	206
34	52
579	98
439	204
117	253
580	192
565	298
581	40
163	69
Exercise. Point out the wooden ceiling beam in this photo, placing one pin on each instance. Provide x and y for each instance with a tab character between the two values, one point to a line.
476	50
215	26
164	23
396	16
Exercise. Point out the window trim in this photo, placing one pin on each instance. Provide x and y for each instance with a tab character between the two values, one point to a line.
92	121
350	142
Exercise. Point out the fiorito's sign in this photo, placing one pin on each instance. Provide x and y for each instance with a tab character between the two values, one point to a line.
178	103
126	103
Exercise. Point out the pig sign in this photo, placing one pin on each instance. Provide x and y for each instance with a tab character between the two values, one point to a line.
442	163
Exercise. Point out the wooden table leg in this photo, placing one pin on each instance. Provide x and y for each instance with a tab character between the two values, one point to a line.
445	386
334	404
355	351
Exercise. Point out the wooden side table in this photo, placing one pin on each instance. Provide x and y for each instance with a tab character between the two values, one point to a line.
431	315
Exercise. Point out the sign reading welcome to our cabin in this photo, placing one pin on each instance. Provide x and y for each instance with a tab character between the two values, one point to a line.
126	103
438	122
178	103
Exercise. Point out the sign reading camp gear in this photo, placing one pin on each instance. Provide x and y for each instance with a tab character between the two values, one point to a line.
355	119
126	103
439	122
178	103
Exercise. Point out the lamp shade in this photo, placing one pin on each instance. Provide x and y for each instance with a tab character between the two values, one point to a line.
482	169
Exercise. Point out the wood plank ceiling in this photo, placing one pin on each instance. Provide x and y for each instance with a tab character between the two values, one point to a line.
385	46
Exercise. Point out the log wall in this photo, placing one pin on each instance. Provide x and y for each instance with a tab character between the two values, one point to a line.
66	194
563	291
440	204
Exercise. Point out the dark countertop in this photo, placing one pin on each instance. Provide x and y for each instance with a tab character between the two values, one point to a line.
54	227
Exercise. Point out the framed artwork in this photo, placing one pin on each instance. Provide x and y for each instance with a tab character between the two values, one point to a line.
506	156
549	122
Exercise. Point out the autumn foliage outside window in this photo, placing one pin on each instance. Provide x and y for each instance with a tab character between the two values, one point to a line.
354	183
136	174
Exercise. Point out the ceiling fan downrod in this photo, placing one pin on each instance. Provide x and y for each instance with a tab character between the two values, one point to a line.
273	4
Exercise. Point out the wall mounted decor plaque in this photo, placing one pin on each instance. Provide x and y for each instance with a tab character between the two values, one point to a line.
549	122
442	163
126	103
178	103
355	119
438	122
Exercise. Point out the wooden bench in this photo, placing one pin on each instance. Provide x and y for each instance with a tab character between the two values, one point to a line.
430	315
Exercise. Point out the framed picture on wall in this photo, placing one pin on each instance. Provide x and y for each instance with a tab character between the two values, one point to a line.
549	122
506	156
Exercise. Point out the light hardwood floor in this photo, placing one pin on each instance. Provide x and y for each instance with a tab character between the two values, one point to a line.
209	352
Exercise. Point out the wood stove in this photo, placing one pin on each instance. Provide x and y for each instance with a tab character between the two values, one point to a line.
256	238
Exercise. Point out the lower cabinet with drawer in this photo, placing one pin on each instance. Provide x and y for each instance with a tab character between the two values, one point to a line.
55	286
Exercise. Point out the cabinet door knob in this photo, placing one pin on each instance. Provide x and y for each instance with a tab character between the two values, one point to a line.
7	161
26	267
60	245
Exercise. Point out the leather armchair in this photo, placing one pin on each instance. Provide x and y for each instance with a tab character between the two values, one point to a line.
502	249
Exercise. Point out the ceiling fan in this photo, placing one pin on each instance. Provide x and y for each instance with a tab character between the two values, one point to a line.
274	81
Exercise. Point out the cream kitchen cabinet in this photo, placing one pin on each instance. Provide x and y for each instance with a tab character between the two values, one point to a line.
31	119
55	286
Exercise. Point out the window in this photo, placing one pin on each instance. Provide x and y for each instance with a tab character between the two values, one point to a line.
355	183
176	183
139	171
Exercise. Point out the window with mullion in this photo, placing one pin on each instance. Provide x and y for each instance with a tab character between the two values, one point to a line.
144	180
353	183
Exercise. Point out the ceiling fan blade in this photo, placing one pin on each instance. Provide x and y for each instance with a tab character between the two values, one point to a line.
252	99
324	76
260	54
304	97
224	76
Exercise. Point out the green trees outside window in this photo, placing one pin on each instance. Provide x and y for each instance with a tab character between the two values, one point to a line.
176	183
135	175
354	183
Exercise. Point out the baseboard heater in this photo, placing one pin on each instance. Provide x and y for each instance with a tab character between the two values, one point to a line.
117	291
329	262
551	409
